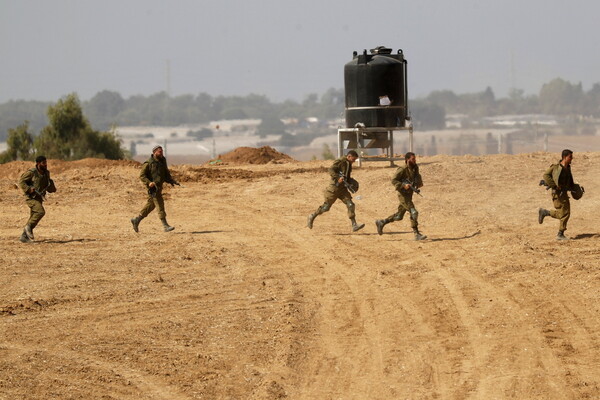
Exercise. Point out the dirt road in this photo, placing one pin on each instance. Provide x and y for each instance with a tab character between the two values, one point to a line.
242	301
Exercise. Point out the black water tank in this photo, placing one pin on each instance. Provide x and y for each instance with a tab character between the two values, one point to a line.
376	93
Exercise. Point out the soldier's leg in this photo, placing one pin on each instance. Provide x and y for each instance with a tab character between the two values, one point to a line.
414	218
36	213
414	223
330	198
397	216
162	214
346	197
147	209
404	205
562	210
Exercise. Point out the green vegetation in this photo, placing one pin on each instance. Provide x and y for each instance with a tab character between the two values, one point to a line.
327	154
68	136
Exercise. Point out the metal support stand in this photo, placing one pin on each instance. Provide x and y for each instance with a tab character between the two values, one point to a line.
361	138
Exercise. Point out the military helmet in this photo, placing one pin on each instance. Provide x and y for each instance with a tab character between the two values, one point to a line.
353	185
577	191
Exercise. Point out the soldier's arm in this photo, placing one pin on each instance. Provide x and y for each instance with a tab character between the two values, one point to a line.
418	180
144	174
548	178
170	179
334	170
398	178
26	182
51	186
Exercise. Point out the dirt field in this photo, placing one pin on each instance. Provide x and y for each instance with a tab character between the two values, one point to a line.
242	301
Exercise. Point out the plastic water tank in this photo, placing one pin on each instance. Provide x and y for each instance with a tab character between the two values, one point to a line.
375	89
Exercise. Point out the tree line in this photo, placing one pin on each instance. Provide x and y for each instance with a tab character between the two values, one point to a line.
108	109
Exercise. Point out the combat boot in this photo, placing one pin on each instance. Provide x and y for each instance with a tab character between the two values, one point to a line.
166	226
24	238
29	231
355	226
380	223
561	236
418	235
311	219
542	213
136	223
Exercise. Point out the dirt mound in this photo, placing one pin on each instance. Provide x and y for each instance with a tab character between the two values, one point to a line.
252	155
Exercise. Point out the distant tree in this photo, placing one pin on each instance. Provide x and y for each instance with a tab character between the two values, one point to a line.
447	99
327	154
69	135
270	126
426	115
19	144
104	108
233	113
560	97
593	101
13	113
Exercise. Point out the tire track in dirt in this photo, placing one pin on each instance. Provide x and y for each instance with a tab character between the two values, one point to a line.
511	328
344	349
355	324
151	387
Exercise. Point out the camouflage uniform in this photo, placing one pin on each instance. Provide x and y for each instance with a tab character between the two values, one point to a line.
557	176
412	175
336	191
403	174
155	170
42	183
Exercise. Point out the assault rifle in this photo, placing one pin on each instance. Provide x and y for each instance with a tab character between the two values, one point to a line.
412	187
349	183
153	190
41	193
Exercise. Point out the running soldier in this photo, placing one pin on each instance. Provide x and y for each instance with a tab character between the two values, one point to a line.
35	182
340	176
559	179
406	180
153	175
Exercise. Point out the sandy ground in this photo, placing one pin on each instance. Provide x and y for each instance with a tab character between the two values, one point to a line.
242	301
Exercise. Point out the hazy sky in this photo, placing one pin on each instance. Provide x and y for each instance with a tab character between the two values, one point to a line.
288	49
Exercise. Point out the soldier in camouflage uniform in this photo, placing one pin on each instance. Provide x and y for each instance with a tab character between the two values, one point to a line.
558	177
402	181
34	183
153	175
342	167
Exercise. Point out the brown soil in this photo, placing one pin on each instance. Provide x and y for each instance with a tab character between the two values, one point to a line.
252	155
242	301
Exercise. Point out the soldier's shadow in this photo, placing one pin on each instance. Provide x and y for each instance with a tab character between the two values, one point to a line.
56	241
455	238
587	236
370	233
198	232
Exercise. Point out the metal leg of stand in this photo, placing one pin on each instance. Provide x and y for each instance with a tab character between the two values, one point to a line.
391	156
358	147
